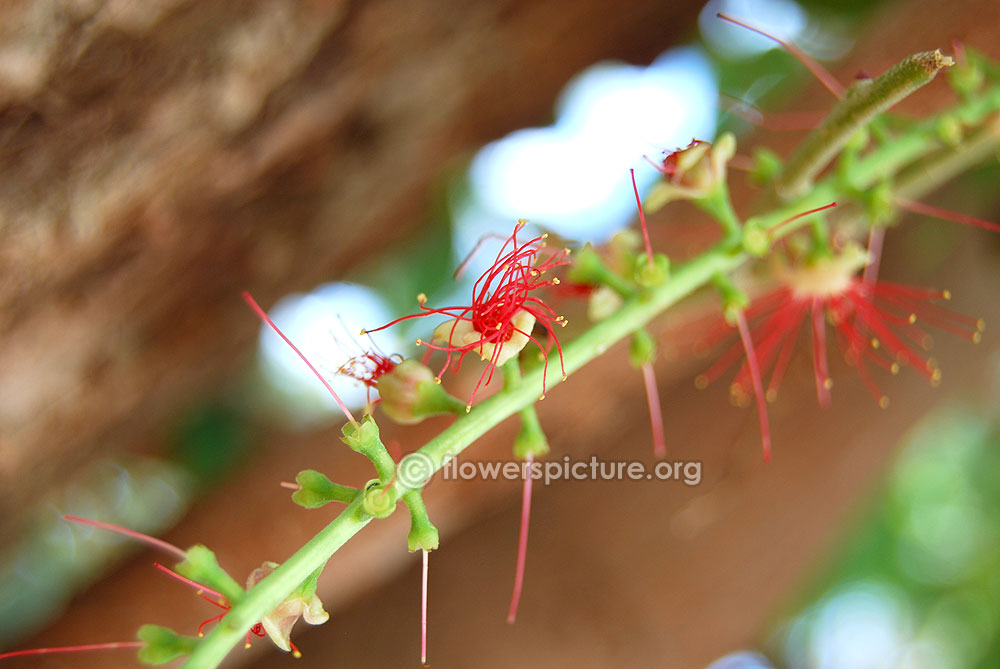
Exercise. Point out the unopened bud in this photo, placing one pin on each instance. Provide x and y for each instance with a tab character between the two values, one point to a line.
410	393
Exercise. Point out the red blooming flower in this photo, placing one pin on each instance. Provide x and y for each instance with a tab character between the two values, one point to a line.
503	311
876	323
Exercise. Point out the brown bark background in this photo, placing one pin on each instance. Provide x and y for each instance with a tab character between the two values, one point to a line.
159	157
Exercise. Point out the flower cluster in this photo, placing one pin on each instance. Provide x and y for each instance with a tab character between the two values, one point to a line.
504	310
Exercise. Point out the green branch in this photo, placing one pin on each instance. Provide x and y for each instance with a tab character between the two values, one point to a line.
637	311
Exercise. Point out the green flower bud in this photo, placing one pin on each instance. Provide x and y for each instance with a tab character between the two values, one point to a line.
411	392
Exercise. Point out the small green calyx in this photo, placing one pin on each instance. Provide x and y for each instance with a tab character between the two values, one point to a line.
378	501
650	275
316	490
879	204
949	130
163	645
410	393
734	300
201	566
766	166
423	535
530	439
756	240
642	349
365	439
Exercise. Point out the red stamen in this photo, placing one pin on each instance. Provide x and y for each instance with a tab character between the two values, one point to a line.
875	238
145	538
820	369
938	212
655	411
194	584
522	541
264	317
758	386
642	219
73	649
811	63
796	217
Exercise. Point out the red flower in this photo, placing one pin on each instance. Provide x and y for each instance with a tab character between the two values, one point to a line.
498	322
876	323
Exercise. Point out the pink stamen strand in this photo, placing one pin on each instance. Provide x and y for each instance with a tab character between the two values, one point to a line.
74	649
758	386
522	541
798	53
290	486
875	238
423	612
642	219
264	317
139	536
194	584
655	411
938	212
819	353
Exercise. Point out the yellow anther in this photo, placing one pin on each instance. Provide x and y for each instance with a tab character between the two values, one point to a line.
828	383
468	408
701	382
883	402
771	395
421	298
946	294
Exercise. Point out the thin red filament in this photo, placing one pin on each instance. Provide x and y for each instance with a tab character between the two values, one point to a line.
264	317
811	63
655	411
73	649
522	540
642	219
145	538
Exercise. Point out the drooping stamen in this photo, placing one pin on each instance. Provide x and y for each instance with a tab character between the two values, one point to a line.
774	229
944	214
798	53
758	386
823	381
522	541
264	317
655	411
139	536
423	613
875	238
642	219
74	649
